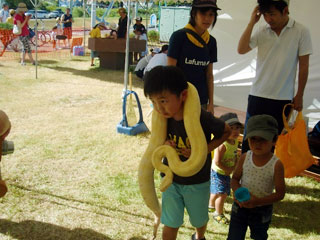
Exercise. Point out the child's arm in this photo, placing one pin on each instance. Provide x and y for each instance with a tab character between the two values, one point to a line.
218	141
237	174
279	193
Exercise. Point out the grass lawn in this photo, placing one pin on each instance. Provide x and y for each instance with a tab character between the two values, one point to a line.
72	176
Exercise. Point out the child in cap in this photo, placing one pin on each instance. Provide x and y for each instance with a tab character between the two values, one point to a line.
261	172
113	33
96	33
224	162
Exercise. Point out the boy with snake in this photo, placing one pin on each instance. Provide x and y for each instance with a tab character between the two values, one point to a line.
179	147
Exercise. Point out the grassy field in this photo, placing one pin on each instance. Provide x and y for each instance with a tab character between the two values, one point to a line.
72	176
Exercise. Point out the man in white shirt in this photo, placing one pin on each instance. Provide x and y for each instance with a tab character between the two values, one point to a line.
4	13
143	62
159	59
283	44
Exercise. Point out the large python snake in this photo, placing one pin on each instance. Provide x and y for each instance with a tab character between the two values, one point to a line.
156	150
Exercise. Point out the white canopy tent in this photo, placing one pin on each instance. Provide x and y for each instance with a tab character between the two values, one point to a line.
233	73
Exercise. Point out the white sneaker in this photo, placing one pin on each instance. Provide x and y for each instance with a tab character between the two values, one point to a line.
23	63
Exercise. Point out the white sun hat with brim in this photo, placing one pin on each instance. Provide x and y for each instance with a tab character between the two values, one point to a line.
22	7
113	26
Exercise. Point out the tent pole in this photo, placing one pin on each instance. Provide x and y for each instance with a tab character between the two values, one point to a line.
93	13
35	4
84	25
126	65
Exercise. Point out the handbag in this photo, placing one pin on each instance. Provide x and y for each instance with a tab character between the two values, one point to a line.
16	29
292	146
31	33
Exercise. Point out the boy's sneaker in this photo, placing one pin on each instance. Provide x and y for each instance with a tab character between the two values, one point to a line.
23	63
193	237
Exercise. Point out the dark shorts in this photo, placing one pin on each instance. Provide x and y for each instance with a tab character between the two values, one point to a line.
259	105
94	54
139	73
257	219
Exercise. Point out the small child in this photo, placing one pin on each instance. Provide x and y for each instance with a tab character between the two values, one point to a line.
224	162
54	34
260	171
96	33
11	17
140	35
59	27
59	32
113	32
167	89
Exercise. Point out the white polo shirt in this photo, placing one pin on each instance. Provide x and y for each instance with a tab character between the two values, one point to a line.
277	59
143	62
159	59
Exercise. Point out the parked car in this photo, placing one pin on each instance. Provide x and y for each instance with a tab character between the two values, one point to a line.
41	14
56	13
30	12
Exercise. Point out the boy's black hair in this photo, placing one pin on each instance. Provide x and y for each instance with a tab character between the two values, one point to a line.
164	78
55	27
164	48
194	11
266	5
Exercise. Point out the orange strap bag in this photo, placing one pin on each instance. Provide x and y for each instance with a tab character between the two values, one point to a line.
292	147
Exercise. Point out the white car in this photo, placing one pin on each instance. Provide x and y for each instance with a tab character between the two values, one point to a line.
41	14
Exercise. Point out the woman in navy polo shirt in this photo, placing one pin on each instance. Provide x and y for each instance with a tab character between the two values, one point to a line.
189	54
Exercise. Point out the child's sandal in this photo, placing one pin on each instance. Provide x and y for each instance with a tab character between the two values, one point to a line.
211	209
221	219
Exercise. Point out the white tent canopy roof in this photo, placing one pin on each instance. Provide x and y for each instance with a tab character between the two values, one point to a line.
233	73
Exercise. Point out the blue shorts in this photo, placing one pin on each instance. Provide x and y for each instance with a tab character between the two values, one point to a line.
195	198
94	54
219	183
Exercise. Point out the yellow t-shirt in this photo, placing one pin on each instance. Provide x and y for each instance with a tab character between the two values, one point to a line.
9	20
229	158
95	33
